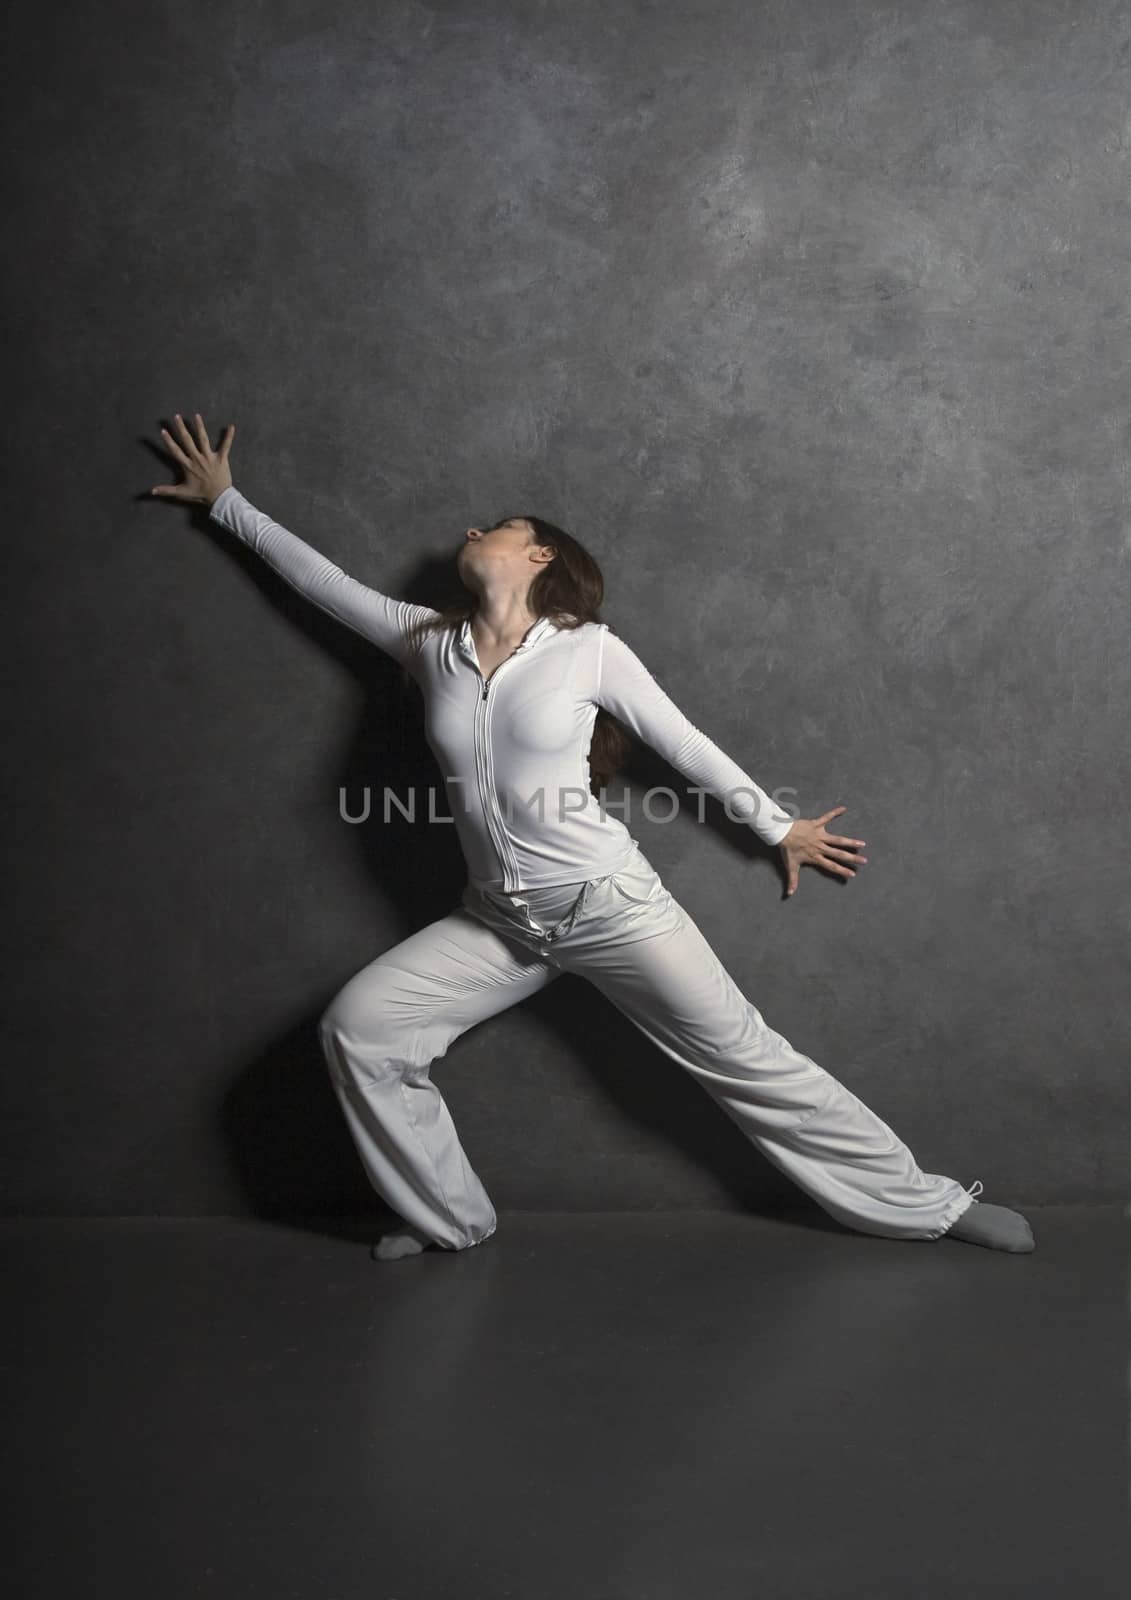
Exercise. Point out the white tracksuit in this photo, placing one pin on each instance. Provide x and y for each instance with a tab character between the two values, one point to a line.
556	883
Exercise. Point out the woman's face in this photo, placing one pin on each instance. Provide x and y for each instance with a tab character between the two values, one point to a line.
500	553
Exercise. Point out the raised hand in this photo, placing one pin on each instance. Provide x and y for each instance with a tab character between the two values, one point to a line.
206	470
808	844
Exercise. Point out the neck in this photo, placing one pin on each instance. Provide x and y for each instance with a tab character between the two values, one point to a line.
503	617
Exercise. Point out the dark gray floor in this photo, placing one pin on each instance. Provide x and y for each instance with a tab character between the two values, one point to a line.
671	1406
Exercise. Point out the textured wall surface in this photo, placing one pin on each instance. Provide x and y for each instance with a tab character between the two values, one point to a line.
810	320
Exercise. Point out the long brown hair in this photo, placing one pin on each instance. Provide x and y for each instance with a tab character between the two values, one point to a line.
569	589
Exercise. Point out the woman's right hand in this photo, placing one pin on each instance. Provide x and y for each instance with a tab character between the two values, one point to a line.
206	470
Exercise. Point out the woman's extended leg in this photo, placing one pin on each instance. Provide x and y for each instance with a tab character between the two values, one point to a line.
381	1033
636	944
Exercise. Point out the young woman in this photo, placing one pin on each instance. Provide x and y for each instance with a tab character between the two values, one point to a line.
521	688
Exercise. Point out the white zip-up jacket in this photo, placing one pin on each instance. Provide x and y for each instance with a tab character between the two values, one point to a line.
514	748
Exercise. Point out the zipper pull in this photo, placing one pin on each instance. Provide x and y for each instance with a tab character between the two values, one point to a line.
485	688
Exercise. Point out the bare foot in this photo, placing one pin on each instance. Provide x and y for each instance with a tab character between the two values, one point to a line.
996	1227
404	1241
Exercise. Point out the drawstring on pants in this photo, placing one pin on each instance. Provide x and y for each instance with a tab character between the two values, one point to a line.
975	1188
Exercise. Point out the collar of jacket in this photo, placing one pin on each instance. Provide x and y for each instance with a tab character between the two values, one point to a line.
538	631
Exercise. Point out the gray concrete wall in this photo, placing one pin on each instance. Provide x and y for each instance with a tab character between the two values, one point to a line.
810	319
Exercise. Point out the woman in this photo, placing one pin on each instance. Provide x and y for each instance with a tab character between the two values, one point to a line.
520	688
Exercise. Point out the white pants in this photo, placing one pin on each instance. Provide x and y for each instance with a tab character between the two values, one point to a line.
627	935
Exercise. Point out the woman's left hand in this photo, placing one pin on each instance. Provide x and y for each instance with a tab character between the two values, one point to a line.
808	844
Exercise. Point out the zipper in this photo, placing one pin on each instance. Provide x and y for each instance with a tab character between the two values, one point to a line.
507	859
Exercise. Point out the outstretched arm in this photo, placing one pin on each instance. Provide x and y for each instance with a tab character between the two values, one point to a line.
208	482
627	689
378	617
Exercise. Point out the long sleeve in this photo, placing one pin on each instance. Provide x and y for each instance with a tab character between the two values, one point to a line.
627	689
378	617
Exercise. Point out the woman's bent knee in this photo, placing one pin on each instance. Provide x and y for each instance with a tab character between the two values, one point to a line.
363	1045
351	1046
355	1013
